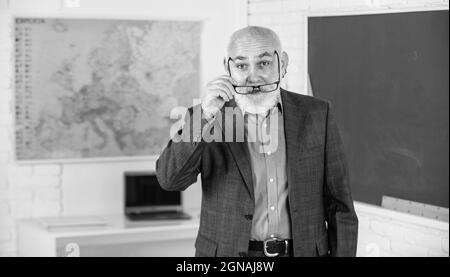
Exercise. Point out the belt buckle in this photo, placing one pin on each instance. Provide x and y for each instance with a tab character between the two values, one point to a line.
265	248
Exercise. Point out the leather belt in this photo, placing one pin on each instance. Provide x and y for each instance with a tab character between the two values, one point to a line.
272	247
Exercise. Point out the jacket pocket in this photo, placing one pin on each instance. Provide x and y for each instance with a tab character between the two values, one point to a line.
322	246
205	247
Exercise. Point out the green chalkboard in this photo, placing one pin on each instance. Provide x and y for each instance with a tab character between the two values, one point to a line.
387	78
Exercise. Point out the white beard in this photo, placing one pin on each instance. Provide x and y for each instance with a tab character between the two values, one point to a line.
259	103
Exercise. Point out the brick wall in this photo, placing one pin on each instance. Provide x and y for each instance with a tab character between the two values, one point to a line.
25	191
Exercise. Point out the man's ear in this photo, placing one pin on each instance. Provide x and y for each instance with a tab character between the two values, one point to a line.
284	63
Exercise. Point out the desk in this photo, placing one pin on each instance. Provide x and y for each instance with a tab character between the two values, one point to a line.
120	237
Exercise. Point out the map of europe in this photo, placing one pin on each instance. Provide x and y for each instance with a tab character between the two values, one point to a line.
90	88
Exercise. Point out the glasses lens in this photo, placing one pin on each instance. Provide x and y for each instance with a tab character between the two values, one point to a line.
269	88
244	90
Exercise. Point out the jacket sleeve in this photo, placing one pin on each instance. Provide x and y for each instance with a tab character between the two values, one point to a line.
340	213
179	164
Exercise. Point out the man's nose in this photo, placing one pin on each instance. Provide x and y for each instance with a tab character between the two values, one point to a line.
254	77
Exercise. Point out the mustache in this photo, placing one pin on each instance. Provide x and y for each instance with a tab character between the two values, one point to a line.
260	82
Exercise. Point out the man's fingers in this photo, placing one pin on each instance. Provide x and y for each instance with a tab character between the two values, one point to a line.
228	78
228	88
217	91
229	82
226	85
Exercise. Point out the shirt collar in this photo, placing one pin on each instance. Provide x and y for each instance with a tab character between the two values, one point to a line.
279	103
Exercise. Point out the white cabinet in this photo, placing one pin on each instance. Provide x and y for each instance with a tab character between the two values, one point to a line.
119	237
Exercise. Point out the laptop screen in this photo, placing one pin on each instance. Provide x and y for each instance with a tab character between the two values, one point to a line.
143	193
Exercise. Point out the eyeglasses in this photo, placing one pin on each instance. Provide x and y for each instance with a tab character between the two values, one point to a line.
266	88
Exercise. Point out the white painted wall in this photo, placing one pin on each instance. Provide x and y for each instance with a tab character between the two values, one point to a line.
94	187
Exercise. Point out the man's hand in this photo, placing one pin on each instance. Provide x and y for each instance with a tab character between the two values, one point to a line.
218	91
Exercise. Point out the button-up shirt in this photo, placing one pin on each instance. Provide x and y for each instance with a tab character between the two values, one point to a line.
266	143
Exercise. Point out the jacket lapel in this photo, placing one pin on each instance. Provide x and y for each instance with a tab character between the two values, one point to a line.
242	157
295	121
239	150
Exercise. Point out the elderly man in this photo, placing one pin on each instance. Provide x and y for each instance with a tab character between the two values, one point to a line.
288	198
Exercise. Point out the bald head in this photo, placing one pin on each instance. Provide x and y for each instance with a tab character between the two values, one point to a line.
255	58
253	37
251	58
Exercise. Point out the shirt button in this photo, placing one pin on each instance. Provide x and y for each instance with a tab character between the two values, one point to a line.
271	180
272	236
272	208
265	125
268	153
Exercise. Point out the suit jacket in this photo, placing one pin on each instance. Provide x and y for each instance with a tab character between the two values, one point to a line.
320	203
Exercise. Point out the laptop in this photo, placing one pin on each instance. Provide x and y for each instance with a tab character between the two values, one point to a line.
146	200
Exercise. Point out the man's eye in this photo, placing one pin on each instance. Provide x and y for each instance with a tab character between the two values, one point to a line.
241	66
265	63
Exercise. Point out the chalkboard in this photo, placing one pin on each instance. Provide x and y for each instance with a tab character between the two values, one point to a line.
386	76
